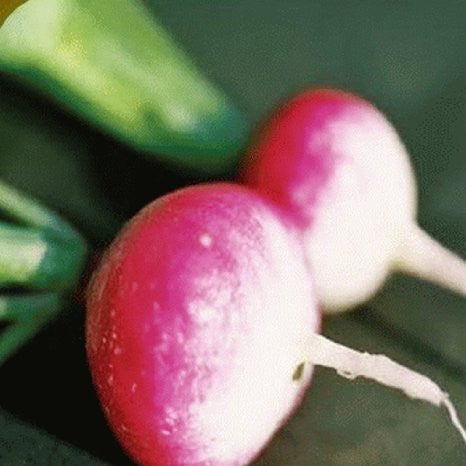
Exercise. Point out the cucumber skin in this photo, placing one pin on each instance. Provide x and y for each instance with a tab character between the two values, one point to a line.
111	63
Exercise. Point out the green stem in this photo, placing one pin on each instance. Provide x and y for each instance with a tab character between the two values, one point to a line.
47	253
24	210
16	335
42	252
38	258
21	308
28	314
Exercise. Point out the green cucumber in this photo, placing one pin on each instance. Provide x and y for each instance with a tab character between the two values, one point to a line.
115	66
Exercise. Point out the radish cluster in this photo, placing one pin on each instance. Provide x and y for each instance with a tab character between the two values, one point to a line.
203	318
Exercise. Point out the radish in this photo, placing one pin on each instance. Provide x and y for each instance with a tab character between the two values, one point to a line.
336	166
201	330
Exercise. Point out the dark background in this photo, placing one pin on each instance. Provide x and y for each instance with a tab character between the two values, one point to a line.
409	57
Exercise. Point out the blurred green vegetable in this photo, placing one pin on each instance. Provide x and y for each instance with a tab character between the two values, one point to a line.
110	62
41	258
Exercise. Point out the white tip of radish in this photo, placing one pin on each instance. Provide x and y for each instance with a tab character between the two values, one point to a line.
422	256
350	364
454	416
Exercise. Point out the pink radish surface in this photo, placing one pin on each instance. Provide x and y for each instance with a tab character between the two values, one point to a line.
201	331
197	328
337	167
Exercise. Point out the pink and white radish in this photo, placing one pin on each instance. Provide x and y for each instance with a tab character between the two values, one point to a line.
335	165
201	330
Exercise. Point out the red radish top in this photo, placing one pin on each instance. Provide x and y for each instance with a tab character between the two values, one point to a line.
197	322
278	167
336	166
296	154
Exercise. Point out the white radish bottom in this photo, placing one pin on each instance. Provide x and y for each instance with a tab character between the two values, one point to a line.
350	364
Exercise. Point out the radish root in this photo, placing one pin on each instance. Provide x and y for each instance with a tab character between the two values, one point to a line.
422	256
350	364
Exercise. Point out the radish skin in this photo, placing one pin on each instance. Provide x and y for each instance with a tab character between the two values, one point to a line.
197	321
337	167
201	330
